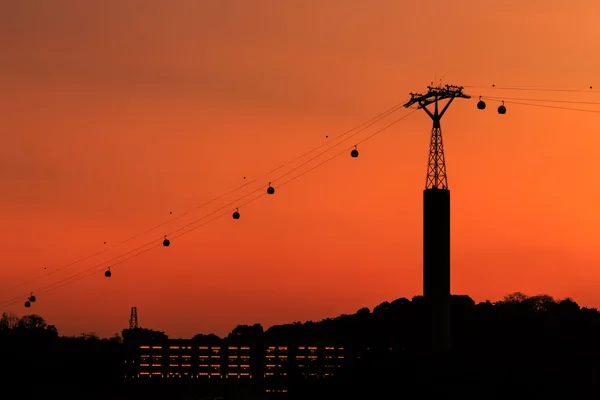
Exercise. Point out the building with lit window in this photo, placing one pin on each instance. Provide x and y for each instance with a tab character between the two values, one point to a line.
210	363
277	360
333	359
180	359
307	361
277	364
238	362
150	362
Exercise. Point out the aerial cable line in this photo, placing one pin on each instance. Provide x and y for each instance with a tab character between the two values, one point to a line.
82	274
358	129
102	265
544	106
345	151
94	270
335	145
113	261
542	100
362	126
69	280
350	148
590	89
53	271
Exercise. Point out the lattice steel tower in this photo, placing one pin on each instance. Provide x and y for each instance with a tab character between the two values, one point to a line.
133	319
436	219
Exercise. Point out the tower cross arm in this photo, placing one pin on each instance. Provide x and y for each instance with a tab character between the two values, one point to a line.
415	98
435	94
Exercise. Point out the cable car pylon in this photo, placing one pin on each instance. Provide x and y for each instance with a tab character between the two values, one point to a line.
436	219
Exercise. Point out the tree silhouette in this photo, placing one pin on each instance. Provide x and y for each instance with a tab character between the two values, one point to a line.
533	343
8	321
32	321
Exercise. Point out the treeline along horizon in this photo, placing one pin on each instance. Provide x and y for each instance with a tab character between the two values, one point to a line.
534	343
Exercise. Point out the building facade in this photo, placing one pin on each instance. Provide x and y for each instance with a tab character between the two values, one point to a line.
180	359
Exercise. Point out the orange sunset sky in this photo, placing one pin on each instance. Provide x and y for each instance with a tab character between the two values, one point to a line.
117	112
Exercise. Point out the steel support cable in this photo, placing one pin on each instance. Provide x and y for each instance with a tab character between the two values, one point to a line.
533	88
545	106
93	270
497	98
358	128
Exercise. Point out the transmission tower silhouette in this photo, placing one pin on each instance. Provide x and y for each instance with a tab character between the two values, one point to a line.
436	219
133	319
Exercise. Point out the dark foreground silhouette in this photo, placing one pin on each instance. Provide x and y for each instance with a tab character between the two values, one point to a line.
522	346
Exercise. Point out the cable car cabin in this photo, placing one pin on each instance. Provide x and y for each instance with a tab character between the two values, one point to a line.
354	153
32	298
270	189
166	242
502	109
107	273
27	304
236	215
481	105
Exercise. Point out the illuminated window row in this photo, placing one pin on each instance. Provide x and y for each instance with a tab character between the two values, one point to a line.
270	349
219	375
177	375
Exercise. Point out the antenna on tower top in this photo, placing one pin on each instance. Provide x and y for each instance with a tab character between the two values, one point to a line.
133	319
